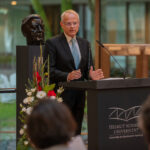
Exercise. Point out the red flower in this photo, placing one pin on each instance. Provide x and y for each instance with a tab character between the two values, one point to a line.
51	93
39	88
38	77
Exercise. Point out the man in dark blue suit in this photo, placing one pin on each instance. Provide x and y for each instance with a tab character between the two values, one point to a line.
71	60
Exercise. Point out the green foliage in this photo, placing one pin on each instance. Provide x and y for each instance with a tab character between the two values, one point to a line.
21	146
91	5
40	10
7	59
115	72
66	4
49	87
7	115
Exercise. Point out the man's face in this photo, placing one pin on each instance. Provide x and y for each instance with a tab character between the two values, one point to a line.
70	24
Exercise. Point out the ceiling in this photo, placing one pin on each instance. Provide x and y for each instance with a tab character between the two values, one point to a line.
45	2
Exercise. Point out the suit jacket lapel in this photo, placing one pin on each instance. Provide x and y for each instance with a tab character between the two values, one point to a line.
67	48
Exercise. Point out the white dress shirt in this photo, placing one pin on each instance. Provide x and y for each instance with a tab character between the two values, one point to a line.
75	144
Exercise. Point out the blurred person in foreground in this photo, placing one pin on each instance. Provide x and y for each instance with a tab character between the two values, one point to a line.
50	126
144	120
71	60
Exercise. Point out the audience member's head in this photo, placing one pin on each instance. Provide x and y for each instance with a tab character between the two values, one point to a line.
33	29
49	124
144	119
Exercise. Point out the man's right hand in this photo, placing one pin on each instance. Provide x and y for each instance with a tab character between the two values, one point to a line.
75	74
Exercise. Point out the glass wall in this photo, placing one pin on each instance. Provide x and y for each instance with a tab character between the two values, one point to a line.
10	19
10	36
7	121
124	21
137	23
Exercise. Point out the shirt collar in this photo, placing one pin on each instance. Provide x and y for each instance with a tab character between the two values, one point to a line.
69	38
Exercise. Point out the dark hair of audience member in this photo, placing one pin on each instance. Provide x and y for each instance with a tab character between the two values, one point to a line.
50	123
144	119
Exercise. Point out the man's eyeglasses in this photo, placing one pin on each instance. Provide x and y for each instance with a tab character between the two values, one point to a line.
69	24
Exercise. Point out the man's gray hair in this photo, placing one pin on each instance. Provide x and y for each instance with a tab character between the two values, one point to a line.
69	11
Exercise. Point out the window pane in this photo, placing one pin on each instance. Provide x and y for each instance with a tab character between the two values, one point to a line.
7	122
137	23
10	31
113	23
120	23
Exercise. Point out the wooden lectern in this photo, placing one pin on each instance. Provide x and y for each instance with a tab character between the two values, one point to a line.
113	108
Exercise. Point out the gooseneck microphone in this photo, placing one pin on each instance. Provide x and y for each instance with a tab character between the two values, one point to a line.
115	60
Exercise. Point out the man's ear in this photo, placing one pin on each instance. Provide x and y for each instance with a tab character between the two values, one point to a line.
61	24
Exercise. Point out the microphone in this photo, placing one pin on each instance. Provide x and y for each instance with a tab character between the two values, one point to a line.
115	60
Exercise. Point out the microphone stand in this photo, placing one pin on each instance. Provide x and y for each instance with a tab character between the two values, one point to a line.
101	45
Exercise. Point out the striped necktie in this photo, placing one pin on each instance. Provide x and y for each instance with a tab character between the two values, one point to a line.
75	53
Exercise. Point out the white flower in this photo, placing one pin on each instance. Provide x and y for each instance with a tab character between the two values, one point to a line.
40	94
59	99
28	100
60	90
33	90
29	93
25	101
26	142
25	126
31	99
53	97
21	105
26	90
29	110
21	131
24	109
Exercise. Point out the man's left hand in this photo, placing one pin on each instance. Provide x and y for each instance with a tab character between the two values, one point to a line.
96	75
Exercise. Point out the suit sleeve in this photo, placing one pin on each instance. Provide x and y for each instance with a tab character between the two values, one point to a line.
56	75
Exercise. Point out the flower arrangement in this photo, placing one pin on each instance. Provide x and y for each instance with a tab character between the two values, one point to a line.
37	89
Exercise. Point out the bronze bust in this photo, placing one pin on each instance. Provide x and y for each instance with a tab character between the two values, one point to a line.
33	29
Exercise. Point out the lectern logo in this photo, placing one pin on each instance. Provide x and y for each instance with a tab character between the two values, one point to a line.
124	115
122	123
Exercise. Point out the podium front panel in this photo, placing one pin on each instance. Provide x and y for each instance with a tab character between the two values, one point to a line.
112	118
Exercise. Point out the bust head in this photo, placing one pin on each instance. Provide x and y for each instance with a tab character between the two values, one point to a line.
33	29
